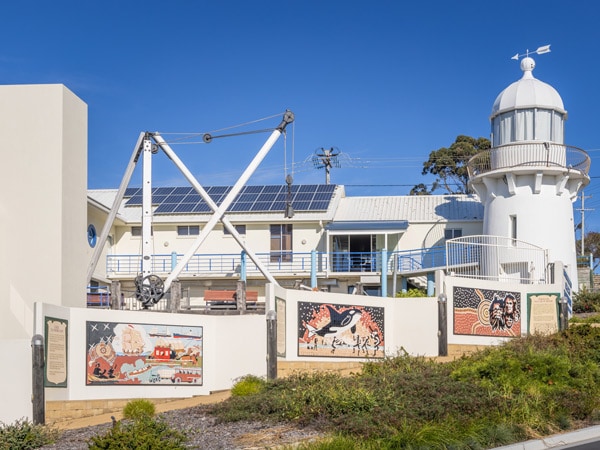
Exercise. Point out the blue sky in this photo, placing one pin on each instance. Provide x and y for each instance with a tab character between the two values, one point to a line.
385	82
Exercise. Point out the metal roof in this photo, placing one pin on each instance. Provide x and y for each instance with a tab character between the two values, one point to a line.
413	208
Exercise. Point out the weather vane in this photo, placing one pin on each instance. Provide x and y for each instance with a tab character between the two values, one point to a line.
540	51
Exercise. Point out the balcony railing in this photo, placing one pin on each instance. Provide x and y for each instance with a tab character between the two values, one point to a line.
496	258
529	154
288	263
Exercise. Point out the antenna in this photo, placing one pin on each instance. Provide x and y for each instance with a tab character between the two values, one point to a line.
539	51
326	158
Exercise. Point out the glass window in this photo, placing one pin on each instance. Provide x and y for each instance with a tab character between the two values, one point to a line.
451	233
137	231
92	236
188	230
281	242
241	229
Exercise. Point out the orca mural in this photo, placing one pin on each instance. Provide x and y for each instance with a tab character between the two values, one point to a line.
347	331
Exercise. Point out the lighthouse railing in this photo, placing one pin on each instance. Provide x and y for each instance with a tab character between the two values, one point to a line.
496	258
529	154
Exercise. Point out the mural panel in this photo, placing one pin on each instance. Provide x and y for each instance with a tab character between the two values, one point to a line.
144	354
485	312
341	331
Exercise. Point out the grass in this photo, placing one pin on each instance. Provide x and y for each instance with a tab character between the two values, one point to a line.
527	388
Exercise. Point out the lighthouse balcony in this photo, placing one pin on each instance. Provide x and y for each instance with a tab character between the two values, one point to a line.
529	155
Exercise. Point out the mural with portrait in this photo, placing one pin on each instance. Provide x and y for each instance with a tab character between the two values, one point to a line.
143	354
485	312
346	331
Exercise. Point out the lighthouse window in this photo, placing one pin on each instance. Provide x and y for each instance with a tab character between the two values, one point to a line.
513	227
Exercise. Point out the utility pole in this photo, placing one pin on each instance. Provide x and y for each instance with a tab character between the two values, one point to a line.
583	210
326	158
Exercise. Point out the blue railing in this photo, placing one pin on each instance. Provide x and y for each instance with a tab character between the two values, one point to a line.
280	263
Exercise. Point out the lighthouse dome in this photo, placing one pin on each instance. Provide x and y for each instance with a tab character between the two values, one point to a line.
528	109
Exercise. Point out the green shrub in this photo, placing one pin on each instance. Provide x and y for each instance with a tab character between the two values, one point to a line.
24	435
139	409
586	301
413	292
248	385
145	433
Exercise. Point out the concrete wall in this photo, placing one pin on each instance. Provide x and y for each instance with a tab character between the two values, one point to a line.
410	323
15	380
233	346
43	202
449	283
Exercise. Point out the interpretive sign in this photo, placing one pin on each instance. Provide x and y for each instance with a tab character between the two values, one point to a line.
55	331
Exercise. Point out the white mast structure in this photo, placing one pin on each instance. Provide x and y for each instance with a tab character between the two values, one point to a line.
529	179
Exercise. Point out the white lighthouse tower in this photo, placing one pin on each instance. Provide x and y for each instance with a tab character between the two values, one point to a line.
529	179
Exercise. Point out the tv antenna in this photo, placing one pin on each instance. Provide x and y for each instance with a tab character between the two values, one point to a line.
539	51
326	158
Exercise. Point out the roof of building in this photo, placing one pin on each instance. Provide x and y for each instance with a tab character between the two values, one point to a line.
413	208
528	92
252	204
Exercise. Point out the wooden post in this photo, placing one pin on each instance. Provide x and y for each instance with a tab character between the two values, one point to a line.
37	393
115	295
240	295
175	301
442	325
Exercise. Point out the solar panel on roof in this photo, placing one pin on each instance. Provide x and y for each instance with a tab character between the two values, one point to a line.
272	189
201	208
318	206
184	208
328	188
253	189
299	206
165	208
182	190
278	206
135	200
271	198
162	190
132	191
303	196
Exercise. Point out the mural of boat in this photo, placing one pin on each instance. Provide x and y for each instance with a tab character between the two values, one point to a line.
187	336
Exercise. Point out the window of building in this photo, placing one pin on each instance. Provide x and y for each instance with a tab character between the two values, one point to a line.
92	236
137	231
188	230
451	233
241	229
513	226
281	242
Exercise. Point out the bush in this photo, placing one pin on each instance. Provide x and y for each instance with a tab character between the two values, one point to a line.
585	301
248	385
23	435
413	292
145	433
139	409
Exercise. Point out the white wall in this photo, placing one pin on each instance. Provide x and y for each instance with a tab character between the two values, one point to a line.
524	289
15	380
233	346
410	324
43	202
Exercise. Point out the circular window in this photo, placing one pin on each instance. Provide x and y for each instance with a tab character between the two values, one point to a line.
92	236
